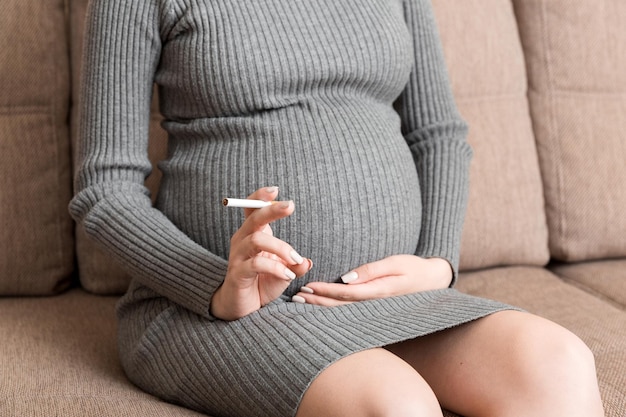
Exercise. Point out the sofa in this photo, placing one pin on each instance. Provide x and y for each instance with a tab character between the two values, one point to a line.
542	84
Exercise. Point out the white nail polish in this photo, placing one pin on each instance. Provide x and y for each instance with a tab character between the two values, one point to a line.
298	299
306	290
349	277
296	257
290	274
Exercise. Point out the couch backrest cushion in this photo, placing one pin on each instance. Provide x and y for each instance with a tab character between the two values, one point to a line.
98	273
576	58
505	222
36	243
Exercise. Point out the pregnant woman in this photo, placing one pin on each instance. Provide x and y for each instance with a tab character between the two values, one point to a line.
337	300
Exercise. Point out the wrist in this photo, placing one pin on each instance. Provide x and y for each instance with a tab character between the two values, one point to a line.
216	307
443	272
228	303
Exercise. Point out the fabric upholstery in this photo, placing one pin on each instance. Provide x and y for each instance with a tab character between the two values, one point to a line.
600	325
59	358
98	273
505	222
576	59
606	279
36	243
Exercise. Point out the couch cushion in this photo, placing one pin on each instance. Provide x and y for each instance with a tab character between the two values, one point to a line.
36	243
58	357
604	279
98	273
576	57
601	325
505	222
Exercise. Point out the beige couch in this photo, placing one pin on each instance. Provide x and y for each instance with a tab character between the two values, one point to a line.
542	84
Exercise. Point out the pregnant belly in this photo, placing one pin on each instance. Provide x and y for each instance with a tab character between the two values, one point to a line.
355	190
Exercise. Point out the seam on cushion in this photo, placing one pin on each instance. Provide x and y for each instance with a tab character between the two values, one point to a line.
579	93
62	248
62	83
573	92
590	290
546	44
491	97
113	396
554	142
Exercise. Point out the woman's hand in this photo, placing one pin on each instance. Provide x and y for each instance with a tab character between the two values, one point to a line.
392	276
260	266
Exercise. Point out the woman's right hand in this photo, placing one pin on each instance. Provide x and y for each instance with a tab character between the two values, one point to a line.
260	266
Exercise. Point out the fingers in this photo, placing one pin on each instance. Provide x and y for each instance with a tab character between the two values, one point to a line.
342	293
263	245
327	297
389	277
333	294
266	269
259	219
373	270
258	242
254	240
261	265
265	194
317	300
303	268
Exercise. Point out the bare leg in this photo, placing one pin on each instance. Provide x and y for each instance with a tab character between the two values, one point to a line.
372	383
507	364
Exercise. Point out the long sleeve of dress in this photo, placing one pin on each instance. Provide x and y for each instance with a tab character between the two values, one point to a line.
123	43
436	135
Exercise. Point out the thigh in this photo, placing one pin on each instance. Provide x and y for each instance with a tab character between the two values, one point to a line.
374	382
479	367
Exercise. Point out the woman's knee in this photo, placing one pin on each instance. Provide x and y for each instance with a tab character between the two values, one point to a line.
554	364
557	352
373	383
406	397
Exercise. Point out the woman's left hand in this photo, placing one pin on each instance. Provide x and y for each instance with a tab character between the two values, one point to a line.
392	276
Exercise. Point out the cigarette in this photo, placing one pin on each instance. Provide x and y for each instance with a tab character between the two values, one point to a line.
245	203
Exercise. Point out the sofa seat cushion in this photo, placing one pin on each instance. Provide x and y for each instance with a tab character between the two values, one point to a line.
601	325
604	279
58	357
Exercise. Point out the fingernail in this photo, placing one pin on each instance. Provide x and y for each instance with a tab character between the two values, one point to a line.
296	257
306	290
290	274
298	299
271	189
349	277
284	204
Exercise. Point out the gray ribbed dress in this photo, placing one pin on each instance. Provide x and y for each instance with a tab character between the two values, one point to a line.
344	104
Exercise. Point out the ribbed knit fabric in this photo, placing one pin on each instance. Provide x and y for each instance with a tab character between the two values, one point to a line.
294	93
